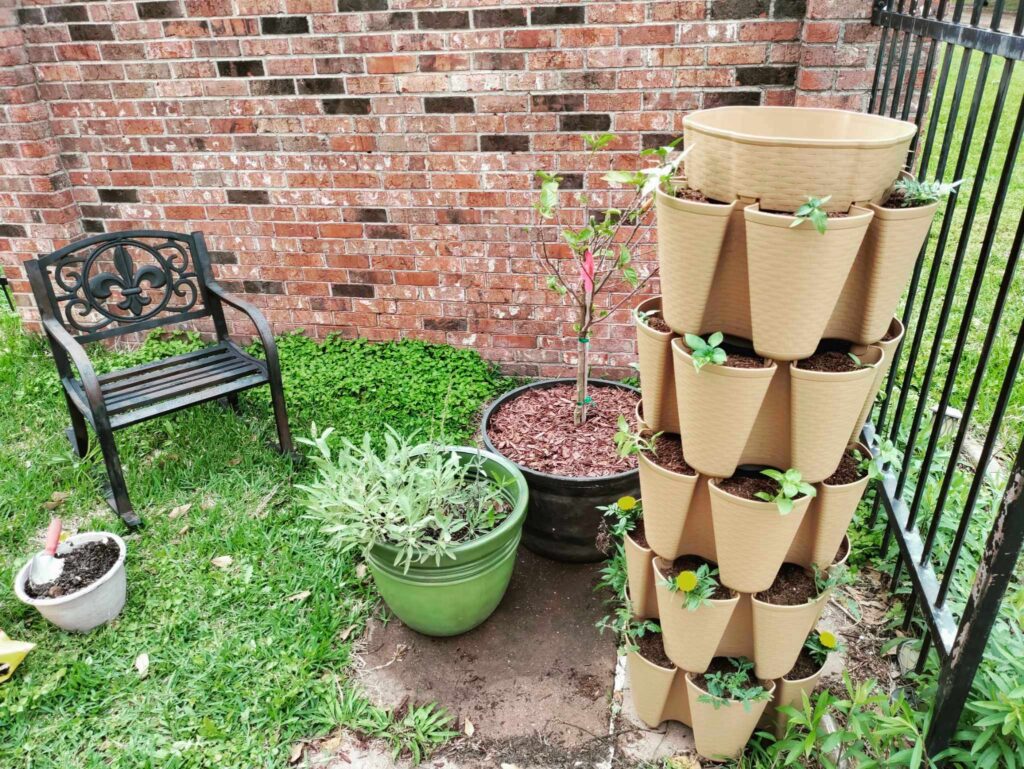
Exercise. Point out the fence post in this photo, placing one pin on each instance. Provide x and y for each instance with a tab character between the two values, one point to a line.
994	574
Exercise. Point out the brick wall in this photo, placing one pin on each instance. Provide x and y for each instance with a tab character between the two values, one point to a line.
364	166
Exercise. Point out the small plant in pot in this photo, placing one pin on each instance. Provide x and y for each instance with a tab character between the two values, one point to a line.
90	588
560	431
438	525
802	680
623	538
726	702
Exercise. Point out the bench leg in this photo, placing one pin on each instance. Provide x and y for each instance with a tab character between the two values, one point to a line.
230	402
118	491
284	434
78	433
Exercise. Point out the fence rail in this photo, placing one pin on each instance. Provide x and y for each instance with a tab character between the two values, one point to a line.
954	379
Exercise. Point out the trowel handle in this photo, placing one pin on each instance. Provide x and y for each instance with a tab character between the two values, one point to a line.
53	536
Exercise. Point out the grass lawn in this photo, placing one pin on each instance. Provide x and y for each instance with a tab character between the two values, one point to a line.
244	660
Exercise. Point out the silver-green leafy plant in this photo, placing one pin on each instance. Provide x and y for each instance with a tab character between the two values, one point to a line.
737	685
419	498
696	587
813	211
791	486
705	352
915	193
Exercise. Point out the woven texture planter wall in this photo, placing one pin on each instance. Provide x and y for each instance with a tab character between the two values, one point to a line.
737	265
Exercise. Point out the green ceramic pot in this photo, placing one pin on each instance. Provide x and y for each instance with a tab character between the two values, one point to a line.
461	592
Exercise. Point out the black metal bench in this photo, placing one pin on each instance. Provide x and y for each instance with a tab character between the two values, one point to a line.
125	282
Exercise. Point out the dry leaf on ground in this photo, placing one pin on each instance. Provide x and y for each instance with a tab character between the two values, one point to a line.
222	561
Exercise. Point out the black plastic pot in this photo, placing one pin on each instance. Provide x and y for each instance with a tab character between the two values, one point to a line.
562	519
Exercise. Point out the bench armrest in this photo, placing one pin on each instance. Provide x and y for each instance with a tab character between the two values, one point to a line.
258	320
66	342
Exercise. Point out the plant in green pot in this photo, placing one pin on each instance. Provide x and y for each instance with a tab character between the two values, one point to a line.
438	525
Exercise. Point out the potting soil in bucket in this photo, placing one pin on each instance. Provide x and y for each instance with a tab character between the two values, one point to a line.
82	566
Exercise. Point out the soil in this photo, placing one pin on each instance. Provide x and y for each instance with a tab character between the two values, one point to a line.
651	648
639	535
658	324
83	565
831	362
747	486
847	472
844	548
805	666
536	430
685	193
793	586
668	453
889	335
742	359
692	563
720	665
830	214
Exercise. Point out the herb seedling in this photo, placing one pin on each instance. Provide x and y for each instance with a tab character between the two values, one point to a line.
645	315
734	686
915	193
706	352
821	643
855	359
874	466
813	211
826	579
623	514
791	486
696	587
628	442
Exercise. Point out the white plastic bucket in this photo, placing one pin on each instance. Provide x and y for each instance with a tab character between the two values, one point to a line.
91	606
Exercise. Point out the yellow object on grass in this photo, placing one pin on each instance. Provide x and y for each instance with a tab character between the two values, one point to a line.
11	655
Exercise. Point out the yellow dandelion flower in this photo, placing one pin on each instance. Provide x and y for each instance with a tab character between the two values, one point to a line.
828	640
686	581
626	503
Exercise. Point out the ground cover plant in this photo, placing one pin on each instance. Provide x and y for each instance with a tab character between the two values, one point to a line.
246	616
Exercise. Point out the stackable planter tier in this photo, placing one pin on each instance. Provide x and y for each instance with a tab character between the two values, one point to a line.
733	263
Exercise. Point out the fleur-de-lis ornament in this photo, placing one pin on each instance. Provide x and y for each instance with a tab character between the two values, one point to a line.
129	280
11	655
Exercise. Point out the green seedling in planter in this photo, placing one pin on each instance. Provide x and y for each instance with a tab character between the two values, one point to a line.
813	211
826	579
820	644
645	315
628	442
696	587
706	352
623	514
734	686
791	486
603	252
874	466
855	359
915	193
637	629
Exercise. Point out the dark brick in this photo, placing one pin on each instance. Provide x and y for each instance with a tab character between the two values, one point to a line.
66	13
83	33
350	289
277	87
557	14
249	197
28	16
348	6
731	98
498	60
789	9
93	225
338	65
584	122
375	277
386	231
284	25
223	257
445	324
390	22
162	9
366	215
448	104
12	231
557	102
765	75
442	19
119	196
571	181
652	141
92	211
240	68
738	9
500	17
346	106
505	143
319	85
262	287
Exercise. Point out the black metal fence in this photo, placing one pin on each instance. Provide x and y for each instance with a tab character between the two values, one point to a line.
952	403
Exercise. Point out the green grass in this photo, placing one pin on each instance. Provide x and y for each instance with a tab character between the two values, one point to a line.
238	672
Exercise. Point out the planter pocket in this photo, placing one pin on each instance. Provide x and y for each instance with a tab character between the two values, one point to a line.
888	347
780	632
717	409
642	598
751	538
830	514
654	349
667	496
691	637
722	732
651	686
690	236
791	694
795	277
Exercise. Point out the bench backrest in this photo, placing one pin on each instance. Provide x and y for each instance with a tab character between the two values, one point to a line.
123	282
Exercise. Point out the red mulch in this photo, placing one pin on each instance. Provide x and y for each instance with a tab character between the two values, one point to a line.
536	430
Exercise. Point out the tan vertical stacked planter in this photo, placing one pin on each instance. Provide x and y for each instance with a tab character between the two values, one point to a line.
744	270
